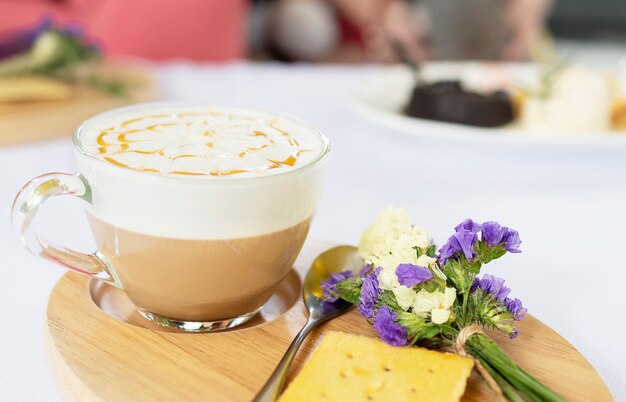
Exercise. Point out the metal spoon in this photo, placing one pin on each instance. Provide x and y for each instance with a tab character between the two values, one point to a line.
335	260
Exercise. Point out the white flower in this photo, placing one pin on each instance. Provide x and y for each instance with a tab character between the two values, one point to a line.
436	303
387	278
404	296
391	259
390	240
426	261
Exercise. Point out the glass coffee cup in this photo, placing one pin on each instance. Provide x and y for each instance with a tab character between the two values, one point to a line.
198	212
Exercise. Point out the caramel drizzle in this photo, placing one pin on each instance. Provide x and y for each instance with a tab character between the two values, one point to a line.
123	141
113	161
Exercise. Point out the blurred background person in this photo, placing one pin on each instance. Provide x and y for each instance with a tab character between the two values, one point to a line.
368	30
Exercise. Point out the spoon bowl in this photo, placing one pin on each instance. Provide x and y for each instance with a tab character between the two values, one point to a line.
332	261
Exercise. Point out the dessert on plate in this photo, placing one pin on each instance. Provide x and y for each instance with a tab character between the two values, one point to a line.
546	99
449	101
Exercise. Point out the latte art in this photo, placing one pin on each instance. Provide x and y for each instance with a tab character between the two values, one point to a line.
201	142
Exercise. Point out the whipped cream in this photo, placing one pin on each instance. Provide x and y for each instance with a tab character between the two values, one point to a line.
200	141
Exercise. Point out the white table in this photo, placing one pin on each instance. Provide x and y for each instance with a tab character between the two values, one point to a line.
567	204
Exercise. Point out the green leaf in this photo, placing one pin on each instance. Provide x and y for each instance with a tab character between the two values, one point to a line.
433	285
432	251
486	253
418	251
474	266
430	331
349	290
416	327
480	247
493	253
459	274
387	298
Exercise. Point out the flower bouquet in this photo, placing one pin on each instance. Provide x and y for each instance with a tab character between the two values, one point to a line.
414	294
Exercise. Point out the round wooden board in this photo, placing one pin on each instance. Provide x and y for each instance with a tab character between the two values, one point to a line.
96	357
24	122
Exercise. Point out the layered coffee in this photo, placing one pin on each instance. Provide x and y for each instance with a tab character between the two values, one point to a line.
200	211
199	280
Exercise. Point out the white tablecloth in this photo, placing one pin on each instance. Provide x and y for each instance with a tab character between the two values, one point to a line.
568	205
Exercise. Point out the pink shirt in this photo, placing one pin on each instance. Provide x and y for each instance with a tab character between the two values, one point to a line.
153	29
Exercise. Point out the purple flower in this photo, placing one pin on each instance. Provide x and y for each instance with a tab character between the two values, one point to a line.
466	240
492	285
369	294
468	225
492	233
462	241
389	330
410	275
514	334
516	308
365	270
329	285
446	251
511	240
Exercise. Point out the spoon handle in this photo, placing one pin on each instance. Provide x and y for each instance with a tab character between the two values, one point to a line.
273	386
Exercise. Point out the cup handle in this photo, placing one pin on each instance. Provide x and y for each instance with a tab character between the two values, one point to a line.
25	207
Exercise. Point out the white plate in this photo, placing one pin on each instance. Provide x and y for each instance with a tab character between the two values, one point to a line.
382	97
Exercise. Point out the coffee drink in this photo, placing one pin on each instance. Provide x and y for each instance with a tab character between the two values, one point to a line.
198	211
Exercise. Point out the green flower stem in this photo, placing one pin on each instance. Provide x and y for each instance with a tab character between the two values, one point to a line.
464	310
483	348
519	381
508	390
506	375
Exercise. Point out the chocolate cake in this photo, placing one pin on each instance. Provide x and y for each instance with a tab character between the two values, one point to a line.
448	101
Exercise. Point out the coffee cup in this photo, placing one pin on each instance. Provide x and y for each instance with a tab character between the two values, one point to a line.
198	212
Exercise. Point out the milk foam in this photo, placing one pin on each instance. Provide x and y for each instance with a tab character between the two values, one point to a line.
213	205
200	141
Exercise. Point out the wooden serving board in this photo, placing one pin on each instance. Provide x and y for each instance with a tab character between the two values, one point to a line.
118	356
24	122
